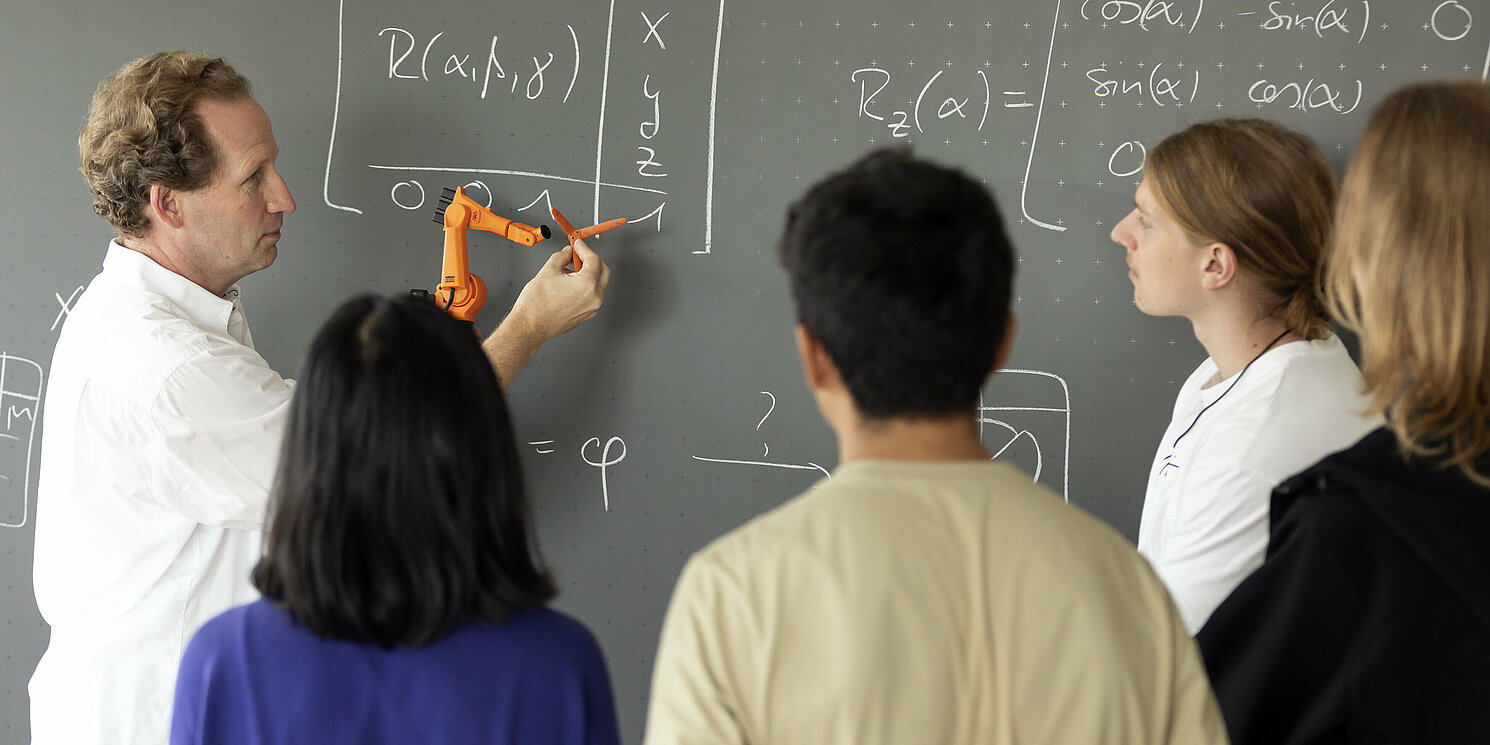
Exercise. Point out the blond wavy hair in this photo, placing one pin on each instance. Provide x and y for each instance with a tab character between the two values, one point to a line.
142	128
1409	269
1262	189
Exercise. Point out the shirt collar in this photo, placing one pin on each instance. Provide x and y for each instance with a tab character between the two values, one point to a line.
130	267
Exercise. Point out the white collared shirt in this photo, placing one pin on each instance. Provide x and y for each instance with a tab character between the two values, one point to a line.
1205	514
161	432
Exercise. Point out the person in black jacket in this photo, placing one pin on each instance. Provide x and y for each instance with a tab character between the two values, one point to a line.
1369	621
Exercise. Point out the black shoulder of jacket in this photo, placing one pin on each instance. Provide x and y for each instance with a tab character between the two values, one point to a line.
1354	468
1436	514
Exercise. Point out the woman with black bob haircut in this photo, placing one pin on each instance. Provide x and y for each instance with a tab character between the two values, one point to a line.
403	595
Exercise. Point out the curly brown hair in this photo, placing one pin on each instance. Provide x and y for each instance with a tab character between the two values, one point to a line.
142	129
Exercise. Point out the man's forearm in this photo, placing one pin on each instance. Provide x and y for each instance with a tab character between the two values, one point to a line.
550	304
510	348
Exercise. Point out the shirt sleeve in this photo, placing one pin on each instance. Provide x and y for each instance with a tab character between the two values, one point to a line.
1277	649
1194	716
694	699
1217	536
219	421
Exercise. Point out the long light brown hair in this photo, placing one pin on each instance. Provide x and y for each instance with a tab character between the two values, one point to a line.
1262	189
1409	269
142	129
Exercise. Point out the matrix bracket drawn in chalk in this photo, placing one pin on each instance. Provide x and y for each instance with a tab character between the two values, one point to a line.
1024	185
1036	438
411	193
20	401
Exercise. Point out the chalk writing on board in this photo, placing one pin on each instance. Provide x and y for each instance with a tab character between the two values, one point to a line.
595	453
713	111
648	165
1451	21
384	64
1132	153
965	100
1026	433
506	172
657	213
402	44
410	194
1161	89
66	305
543	196
1125	12
1456	22
20	399
1308	96
652	29
465	65
610	30
336	112
606	460
1327	17
408	189
1024	185
771	407
873	81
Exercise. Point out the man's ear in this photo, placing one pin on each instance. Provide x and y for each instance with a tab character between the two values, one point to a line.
165	206
817	366
1011	327
1220	266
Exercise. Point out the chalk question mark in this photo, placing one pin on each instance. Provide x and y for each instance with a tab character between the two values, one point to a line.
767	394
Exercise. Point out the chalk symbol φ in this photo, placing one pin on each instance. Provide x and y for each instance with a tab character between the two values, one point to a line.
604	463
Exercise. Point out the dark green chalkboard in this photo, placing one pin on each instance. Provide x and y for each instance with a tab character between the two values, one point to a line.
679	412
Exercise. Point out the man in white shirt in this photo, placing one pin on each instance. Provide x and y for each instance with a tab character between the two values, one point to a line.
162	424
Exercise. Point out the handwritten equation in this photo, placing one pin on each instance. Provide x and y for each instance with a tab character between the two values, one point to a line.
621	111
402	44
1110	76
594	453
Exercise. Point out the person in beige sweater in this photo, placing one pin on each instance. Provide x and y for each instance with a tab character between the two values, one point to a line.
923	593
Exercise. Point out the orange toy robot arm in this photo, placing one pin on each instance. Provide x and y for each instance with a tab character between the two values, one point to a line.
577	234
460	292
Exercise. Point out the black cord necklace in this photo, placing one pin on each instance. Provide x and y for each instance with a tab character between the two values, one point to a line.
1234	381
